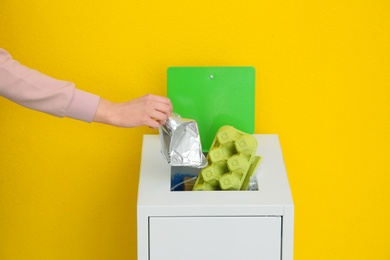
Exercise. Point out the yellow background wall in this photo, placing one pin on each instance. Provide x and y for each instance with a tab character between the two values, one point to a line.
68	189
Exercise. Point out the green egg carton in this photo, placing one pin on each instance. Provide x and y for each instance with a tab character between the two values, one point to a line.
231	161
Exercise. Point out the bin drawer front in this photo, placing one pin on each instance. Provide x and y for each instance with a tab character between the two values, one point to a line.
194	238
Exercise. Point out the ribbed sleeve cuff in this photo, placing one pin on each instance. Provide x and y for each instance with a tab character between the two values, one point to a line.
83	106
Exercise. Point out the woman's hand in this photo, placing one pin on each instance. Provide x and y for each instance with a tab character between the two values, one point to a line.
148	110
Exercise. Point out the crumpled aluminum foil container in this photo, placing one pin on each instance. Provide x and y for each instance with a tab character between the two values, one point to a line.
180	142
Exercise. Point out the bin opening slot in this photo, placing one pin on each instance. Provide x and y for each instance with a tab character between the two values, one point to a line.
184	178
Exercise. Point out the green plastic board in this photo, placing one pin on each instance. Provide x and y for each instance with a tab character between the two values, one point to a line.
214	97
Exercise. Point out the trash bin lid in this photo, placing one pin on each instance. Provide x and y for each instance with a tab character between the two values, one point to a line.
214	97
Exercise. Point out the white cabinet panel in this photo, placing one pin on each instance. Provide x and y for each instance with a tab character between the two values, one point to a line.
215	225
214	238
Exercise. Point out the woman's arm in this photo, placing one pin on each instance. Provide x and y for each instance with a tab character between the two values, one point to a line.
37	91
